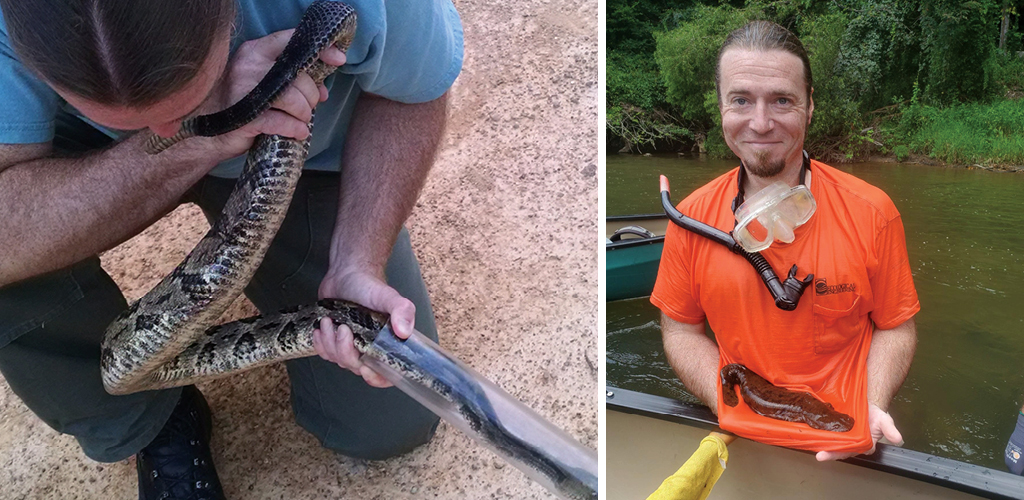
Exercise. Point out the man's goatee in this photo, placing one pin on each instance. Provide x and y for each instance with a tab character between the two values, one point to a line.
763	167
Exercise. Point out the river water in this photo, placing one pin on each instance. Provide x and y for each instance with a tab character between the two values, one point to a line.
965	238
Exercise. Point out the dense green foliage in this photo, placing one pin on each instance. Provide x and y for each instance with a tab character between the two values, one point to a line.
637	115
964	134
687	54
887	74
958	41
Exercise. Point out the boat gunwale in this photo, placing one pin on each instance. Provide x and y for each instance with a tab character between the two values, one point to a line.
633	242
636	217
945	472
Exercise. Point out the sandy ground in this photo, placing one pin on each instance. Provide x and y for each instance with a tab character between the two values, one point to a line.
506	233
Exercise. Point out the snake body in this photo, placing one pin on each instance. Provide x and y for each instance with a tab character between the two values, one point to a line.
168	337
769	400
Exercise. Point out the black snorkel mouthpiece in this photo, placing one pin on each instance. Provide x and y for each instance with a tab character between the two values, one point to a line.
785	293
794	288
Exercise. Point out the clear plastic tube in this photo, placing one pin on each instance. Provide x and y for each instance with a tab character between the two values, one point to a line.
481	409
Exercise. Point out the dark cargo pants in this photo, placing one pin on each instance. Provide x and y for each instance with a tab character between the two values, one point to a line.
51	327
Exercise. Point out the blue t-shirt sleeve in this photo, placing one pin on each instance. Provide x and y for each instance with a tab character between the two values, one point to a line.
27	105
412	55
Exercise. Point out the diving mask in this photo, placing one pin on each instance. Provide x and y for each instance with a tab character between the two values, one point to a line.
771	214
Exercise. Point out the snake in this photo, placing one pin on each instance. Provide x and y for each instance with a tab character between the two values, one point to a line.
769	400
169	338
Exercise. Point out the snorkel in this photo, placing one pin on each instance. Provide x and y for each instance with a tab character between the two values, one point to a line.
786	293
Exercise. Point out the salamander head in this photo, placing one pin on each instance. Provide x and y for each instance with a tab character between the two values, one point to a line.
835	422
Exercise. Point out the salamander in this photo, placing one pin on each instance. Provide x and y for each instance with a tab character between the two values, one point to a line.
780	403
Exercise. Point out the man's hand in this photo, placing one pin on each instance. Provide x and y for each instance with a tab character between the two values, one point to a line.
389	149
880	424
888	363
289	114
334	343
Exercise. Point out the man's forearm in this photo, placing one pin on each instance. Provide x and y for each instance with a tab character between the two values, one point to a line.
694	358
388	152
889	361
58	211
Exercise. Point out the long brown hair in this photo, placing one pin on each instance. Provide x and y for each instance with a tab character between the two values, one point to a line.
129	53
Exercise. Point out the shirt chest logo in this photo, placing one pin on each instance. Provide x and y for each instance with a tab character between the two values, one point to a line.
821	287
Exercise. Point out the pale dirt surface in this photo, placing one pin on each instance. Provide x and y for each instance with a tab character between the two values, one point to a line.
506	234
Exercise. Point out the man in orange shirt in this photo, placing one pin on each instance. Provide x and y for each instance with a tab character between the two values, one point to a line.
851	338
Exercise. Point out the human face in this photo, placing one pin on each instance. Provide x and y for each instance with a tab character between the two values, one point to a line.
165	116
765	109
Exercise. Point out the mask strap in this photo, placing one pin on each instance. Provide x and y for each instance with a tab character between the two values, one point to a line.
804	168
738	200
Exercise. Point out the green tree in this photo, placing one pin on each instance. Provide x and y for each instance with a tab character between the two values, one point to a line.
958	40
636	111
880	52
833	103
687	57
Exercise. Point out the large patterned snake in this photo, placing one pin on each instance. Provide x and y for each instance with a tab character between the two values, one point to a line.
168	337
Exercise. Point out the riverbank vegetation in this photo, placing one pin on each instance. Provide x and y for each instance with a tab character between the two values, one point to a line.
937	78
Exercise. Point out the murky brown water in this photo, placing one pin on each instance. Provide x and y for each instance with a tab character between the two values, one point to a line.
965	237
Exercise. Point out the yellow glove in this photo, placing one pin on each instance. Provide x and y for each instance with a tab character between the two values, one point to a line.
694	480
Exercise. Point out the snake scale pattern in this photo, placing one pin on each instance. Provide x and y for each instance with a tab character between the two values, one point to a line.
168	337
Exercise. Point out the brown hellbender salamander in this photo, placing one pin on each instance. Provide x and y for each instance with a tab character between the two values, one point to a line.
780	403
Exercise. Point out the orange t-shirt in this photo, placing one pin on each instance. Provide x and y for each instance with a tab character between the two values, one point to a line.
855	247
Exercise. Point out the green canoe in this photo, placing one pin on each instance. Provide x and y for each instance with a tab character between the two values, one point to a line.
632	253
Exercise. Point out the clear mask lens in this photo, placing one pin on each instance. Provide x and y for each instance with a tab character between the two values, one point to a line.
771	214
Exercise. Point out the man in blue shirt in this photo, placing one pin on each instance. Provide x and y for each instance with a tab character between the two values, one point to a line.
77	75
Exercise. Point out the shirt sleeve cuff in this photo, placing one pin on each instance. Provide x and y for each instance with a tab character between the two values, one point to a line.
449	75
671	313
26	133
898	320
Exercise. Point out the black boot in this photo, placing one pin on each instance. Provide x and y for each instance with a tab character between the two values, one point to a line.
177	463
